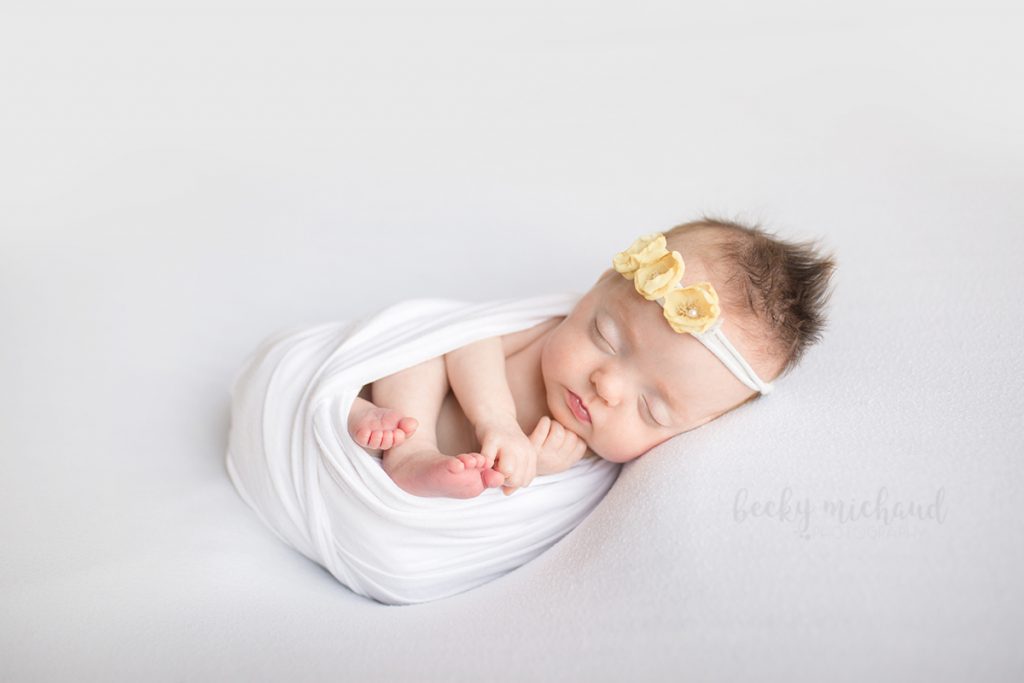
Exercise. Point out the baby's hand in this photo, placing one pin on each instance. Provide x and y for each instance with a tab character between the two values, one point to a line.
558	448
507	449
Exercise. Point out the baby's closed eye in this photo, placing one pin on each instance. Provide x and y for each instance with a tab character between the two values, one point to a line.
649	413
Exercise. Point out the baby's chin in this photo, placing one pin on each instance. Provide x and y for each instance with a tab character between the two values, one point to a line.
619	458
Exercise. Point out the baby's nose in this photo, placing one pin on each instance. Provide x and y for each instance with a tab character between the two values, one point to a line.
607	389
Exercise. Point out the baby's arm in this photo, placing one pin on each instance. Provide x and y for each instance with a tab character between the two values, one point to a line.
476	373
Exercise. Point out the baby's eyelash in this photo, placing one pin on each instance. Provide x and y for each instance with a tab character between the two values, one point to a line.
651	414
597	333
647	409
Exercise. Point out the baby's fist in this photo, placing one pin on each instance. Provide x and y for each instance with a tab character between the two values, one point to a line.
558	448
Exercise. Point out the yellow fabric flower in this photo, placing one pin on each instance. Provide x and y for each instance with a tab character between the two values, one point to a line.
692	309
645	250
657	279
657	272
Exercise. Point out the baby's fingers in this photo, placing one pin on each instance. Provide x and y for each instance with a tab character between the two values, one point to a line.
506	464
540	432
489	451
556	436
531	472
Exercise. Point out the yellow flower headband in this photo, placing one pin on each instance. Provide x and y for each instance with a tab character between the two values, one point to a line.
657	274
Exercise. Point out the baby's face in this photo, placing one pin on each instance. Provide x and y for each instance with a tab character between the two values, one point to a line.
640	381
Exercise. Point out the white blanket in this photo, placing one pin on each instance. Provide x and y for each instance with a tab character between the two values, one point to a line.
291	458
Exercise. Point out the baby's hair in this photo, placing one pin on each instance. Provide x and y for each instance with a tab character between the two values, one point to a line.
776	291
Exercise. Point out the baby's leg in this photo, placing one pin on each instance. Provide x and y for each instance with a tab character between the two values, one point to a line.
416	465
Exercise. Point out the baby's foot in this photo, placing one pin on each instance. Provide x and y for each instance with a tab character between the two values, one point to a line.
429	473
379	428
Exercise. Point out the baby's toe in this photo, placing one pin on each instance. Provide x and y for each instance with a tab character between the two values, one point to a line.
492	478
408	425
467	460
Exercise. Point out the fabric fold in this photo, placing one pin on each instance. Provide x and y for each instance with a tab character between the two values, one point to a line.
292	460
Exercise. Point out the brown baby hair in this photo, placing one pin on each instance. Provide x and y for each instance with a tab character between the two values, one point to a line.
774	290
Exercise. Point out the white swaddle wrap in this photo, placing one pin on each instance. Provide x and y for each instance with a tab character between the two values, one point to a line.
292	460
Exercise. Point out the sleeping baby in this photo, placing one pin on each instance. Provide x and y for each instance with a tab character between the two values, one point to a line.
685	327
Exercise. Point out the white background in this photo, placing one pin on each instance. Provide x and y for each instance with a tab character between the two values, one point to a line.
178	182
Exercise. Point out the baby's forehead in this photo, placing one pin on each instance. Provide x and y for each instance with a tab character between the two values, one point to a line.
624	303
621	295
628	307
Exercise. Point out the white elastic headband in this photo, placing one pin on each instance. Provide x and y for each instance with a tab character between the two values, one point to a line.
717	343
657	275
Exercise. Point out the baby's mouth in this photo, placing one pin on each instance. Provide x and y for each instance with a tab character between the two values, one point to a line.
578	409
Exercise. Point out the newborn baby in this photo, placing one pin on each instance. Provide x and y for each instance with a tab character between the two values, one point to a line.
687	326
